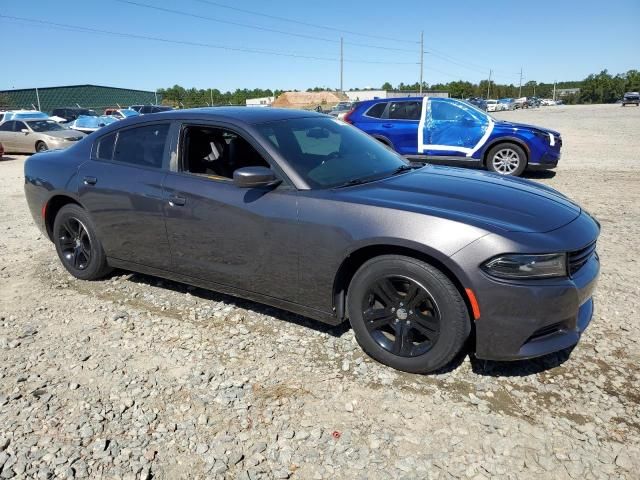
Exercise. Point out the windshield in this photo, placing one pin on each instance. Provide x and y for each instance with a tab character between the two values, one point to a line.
45	126
128	112
328	153
93	122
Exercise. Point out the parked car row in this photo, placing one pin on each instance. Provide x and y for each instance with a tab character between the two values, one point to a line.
29	131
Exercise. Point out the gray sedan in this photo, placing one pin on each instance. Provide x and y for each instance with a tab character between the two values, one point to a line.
304	212
30	136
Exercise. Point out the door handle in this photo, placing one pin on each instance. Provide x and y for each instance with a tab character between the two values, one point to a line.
176	201
387	125
90	180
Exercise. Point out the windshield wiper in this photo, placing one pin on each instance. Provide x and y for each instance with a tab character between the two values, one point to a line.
404	168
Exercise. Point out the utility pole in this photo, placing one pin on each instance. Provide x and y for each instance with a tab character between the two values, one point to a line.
421	58
554	90
489	83
211	96
38	97
520	87
341	64
156	93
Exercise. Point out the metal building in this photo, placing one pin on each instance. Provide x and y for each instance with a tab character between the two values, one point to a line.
86	96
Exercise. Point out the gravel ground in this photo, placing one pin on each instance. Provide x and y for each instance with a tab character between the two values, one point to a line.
138	377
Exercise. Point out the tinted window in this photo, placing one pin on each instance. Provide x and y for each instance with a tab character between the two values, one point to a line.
143	146
145	109
405	110
105	147
329	153
377	110
7	127
19	126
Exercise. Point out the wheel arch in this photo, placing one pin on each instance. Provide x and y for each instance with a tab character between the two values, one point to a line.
500	140
357	258
52	207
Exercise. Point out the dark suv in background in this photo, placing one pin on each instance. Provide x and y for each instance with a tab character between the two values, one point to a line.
631	98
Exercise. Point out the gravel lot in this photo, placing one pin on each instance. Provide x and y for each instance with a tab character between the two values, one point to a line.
137	377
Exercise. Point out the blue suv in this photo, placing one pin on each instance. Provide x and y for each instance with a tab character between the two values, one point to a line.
456	132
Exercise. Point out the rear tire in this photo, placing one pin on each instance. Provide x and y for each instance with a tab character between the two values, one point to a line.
507	159
407	314
77	244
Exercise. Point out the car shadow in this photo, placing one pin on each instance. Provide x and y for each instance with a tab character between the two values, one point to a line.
520	368
260	308
539	174
7	158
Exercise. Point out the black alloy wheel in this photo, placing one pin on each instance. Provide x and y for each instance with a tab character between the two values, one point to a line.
75	243
407	314
401	316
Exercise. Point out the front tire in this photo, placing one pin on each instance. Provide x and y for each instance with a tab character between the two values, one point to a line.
407	314
77	244
507	159
41	147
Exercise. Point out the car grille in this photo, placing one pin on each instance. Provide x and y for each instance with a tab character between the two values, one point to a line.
578	258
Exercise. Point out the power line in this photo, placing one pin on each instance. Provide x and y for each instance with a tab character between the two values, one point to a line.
256	27
82	29
306	24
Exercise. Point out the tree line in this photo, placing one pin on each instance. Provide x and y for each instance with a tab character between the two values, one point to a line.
596	88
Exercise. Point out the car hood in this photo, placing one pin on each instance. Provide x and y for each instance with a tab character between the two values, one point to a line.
522	126
64	134
478	198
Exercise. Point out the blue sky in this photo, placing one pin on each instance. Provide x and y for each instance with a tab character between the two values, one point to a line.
550	40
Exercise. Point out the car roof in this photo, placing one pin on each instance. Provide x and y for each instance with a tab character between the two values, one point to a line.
246	115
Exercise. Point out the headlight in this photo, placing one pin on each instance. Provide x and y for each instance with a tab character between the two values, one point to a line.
523	266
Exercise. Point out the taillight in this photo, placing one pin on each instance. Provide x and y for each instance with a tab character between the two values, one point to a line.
347	115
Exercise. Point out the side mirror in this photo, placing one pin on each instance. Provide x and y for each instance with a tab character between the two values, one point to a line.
252	177
24	130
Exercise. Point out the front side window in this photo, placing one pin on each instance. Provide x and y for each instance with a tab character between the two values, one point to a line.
405	110
19	126
142	146
217	152
328	153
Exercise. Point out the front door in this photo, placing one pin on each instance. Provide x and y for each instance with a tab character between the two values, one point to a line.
121	187
453	128
244	238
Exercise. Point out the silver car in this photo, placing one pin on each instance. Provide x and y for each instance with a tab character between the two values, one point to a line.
36	135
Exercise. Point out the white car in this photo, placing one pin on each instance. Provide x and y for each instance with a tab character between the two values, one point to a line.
492	105
547	102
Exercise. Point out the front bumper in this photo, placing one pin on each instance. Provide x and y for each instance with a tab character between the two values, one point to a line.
523	322
526	319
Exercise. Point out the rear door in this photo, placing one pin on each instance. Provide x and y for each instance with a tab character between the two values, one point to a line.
23	142
402	123
121	186
7	136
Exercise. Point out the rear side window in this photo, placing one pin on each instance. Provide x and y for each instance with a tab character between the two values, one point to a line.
377	110
142	146
405	110
105	147
7	126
